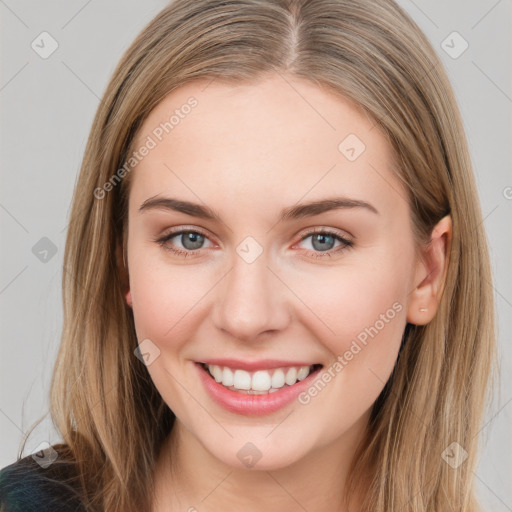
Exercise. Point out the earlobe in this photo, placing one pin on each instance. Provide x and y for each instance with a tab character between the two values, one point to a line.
430	275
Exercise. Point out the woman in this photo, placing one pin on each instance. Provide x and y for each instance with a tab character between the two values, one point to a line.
275	274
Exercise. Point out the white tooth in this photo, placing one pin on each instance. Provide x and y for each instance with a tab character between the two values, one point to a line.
227	377
272	390
291	376
278	379
242	379
261	381
303	372
215	371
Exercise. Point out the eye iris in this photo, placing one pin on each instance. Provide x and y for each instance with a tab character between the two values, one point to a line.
322	238
195	238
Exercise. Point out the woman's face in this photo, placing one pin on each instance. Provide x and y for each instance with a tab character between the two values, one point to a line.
266	283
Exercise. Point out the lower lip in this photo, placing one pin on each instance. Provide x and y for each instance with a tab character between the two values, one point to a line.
253	405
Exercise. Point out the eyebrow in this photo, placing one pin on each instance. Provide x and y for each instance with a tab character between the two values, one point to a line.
293	212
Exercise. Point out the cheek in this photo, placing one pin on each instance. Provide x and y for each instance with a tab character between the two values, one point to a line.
166	304
361	319
358	311
165	297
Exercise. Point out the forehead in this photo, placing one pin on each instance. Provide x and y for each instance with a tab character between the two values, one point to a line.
281	138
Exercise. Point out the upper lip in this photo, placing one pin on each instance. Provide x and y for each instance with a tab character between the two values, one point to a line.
262	364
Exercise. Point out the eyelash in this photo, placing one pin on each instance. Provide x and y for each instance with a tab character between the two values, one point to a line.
346	243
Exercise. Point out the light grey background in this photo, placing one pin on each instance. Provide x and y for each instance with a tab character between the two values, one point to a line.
47	107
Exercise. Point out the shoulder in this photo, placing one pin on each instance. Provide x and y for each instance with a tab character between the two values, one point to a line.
28	485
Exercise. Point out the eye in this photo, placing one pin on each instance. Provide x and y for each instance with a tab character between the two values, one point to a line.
191	241
323	243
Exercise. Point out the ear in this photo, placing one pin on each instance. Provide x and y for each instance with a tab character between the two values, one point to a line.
430	274
123	272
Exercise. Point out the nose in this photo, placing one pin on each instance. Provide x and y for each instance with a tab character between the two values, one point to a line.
251	300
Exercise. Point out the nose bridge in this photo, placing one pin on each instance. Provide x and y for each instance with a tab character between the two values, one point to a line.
251	300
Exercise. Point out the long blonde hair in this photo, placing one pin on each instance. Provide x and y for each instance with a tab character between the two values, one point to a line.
111	417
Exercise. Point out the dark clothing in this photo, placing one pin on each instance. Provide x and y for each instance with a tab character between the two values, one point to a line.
31	484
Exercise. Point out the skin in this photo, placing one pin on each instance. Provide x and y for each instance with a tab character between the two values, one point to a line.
247	151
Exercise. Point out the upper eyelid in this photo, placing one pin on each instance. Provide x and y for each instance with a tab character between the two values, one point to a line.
334	231
184	229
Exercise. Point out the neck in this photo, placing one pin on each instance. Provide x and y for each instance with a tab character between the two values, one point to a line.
202	483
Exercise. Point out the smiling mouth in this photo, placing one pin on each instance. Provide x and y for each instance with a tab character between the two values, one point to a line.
260	382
